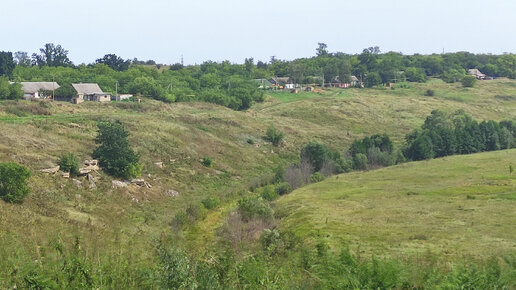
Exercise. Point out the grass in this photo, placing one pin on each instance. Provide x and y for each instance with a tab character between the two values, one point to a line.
448	208
179	135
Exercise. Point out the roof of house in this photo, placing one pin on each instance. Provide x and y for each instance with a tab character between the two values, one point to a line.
279	80
33	87
475	71
354	79
87	89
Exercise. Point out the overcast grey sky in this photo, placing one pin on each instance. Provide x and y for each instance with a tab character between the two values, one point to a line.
201	30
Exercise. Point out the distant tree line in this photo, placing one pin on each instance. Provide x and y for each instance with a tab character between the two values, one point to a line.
231	85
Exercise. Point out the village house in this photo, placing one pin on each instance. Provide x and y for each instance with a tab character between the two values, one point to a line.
38	90
476	73
89	92
263	84
282	82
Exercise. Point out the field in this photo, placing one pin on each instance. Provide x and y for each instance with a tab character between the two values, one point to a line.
452	208
130	222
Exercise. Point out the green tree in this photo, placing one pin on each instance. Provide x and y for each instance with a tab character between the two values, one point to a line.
322	49
115	62
373	79
7	63
114	151
468	81
51	55
13	182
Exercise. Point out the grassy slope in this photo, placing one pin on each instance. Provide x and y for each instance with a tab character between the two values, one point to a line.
450	207
179	135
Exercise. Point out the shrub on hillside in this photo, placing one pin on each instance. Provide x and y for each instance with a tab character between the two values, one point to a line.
468	81
360	161
429	93
68	162
254	207
316	177
114	151
283	188
210	202
269	193
206	161
274	136
195	212
13	182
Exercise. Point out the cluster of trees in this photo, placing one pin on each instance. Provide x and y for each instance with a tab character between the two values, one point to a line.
445	134
374	151
231	85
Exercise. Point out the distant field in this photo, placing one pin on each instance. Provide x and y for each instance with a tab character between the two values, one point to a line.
449	208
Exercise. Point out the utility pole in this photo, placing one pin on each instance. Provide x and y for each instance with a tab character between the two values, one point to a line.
182	63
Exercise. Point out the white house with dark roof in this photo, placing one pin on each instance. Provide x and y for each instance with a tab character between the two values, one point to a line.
476	73
89	92
38	90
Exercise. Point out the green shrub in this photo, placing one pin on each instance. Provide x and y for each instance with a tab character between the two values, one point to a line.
13	182
114	152
269	193
274	136
206	161
279	174
468	81
283	188
360	161
210	202
68	162
195	212
316	177
254	207
250	141
429	93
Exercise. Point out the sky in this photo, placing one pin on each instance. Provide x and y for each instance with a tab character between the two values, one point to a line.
217	30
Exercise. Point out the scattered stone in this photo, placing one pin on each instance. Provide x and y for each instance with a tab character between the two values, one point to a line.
135	200
84	171
93	185
52	170
77	183
172	193
65	174
159	164
118	184
218	172
138	181
91	165
147	185
74	125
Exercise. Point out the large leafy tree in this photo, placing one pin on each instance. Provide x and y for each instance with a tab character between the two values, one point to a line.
115	62
114	152
7	63
51	55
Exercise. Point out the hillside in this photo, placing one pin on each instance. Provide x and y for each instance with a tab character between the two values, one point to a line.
448	208
129	222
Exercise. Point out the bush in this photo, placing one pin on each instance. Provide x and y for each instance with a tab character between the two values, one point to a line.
13	182
69	163
269	193
206	161
429	93
195	212
360	161
316	177
283	188
254	207
274	136
279	174
210	202
114	152
468	81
